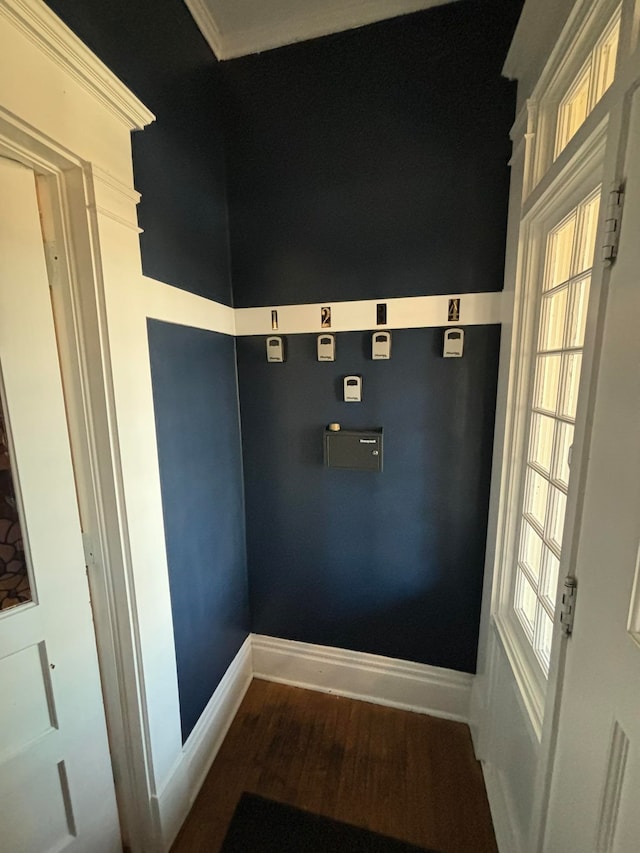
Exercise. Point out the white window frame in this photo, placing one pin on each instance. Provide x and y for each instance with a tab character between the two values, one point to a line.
583	32
570	186
590	72
551	189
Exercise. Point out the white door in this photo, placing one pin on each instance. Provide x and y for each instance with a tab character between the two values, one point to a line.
56	787
595	796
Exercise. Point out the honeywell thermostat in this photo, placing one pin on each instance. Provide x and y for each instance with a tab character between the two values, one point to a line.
275	348
380	345
453	343
326	348
353	389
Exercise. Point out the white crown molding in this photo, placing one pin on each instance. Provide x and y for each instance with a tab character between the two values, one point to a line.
203	16
55	39
416	687
284	30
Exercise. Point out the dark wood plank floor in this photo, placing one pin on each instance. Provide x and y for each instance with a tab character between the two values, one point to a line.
401	774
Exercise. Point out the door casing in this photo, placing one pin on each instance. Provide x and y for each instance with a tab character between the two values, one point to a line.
65	188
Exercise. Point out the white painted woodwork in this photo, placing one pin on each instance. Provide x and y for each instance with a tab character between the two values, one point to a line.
596	773
359	675
56	785
570	788
190	769
413	312
238	27
62	113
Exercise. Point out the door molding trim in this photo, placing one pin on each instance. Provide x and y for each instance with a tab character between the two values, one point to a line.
80	311
69	120
78	298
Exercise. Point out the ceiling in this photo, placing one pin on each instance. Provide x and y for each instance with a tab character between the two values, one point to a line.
238	27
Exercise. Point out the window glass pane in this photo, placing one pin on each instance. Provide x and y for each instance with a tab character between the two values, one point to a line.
552	320
578	305
559	253
574	108
605	57
564	299
14	576
587	235
530	550
546	383
570	384
563	442
549	580
543	638
589	86
541	441
555	517
535	497
525	603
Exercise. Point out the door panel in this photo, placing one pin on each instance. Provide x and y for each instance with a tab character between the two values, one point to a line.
596	775
56	785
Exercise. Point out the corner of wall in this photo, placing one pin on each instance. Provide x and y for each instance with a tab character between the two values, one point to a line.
172	804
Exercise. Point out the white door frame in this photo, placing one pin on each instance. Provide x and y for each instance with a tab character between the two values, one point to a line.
66	193
517	787
69	119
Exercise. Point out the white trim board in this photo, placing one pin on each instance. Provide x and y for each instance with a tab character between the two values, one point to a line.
370	678
228	41
336	17
173	305
55	39
411	312
173	803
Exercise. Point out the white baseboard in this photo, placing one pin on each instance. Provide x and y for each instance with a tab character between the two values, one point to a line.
505	825
371	678
173	803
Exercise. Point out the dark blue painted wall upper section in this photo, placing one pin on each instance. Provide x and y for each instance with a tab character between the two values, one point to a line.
389	563
372	163
155	47
198	432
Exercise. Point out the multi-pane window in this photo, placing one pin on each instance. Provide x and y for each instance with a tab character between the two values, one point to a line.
564	297
590	84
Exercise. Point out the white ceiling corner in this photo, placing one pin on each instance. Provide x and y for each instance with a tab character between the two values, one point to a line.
235	28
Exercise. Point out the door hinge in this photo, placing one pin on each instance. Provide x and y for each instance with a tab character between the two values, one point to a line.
568	605
612	225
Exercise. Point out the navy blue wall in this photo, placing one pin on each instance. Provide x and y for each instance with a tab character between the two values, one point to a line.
389	563
155	47
198	432
372	163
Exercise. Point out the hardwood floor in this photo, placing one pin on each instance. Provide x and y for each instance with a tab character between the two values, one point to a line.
398	773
